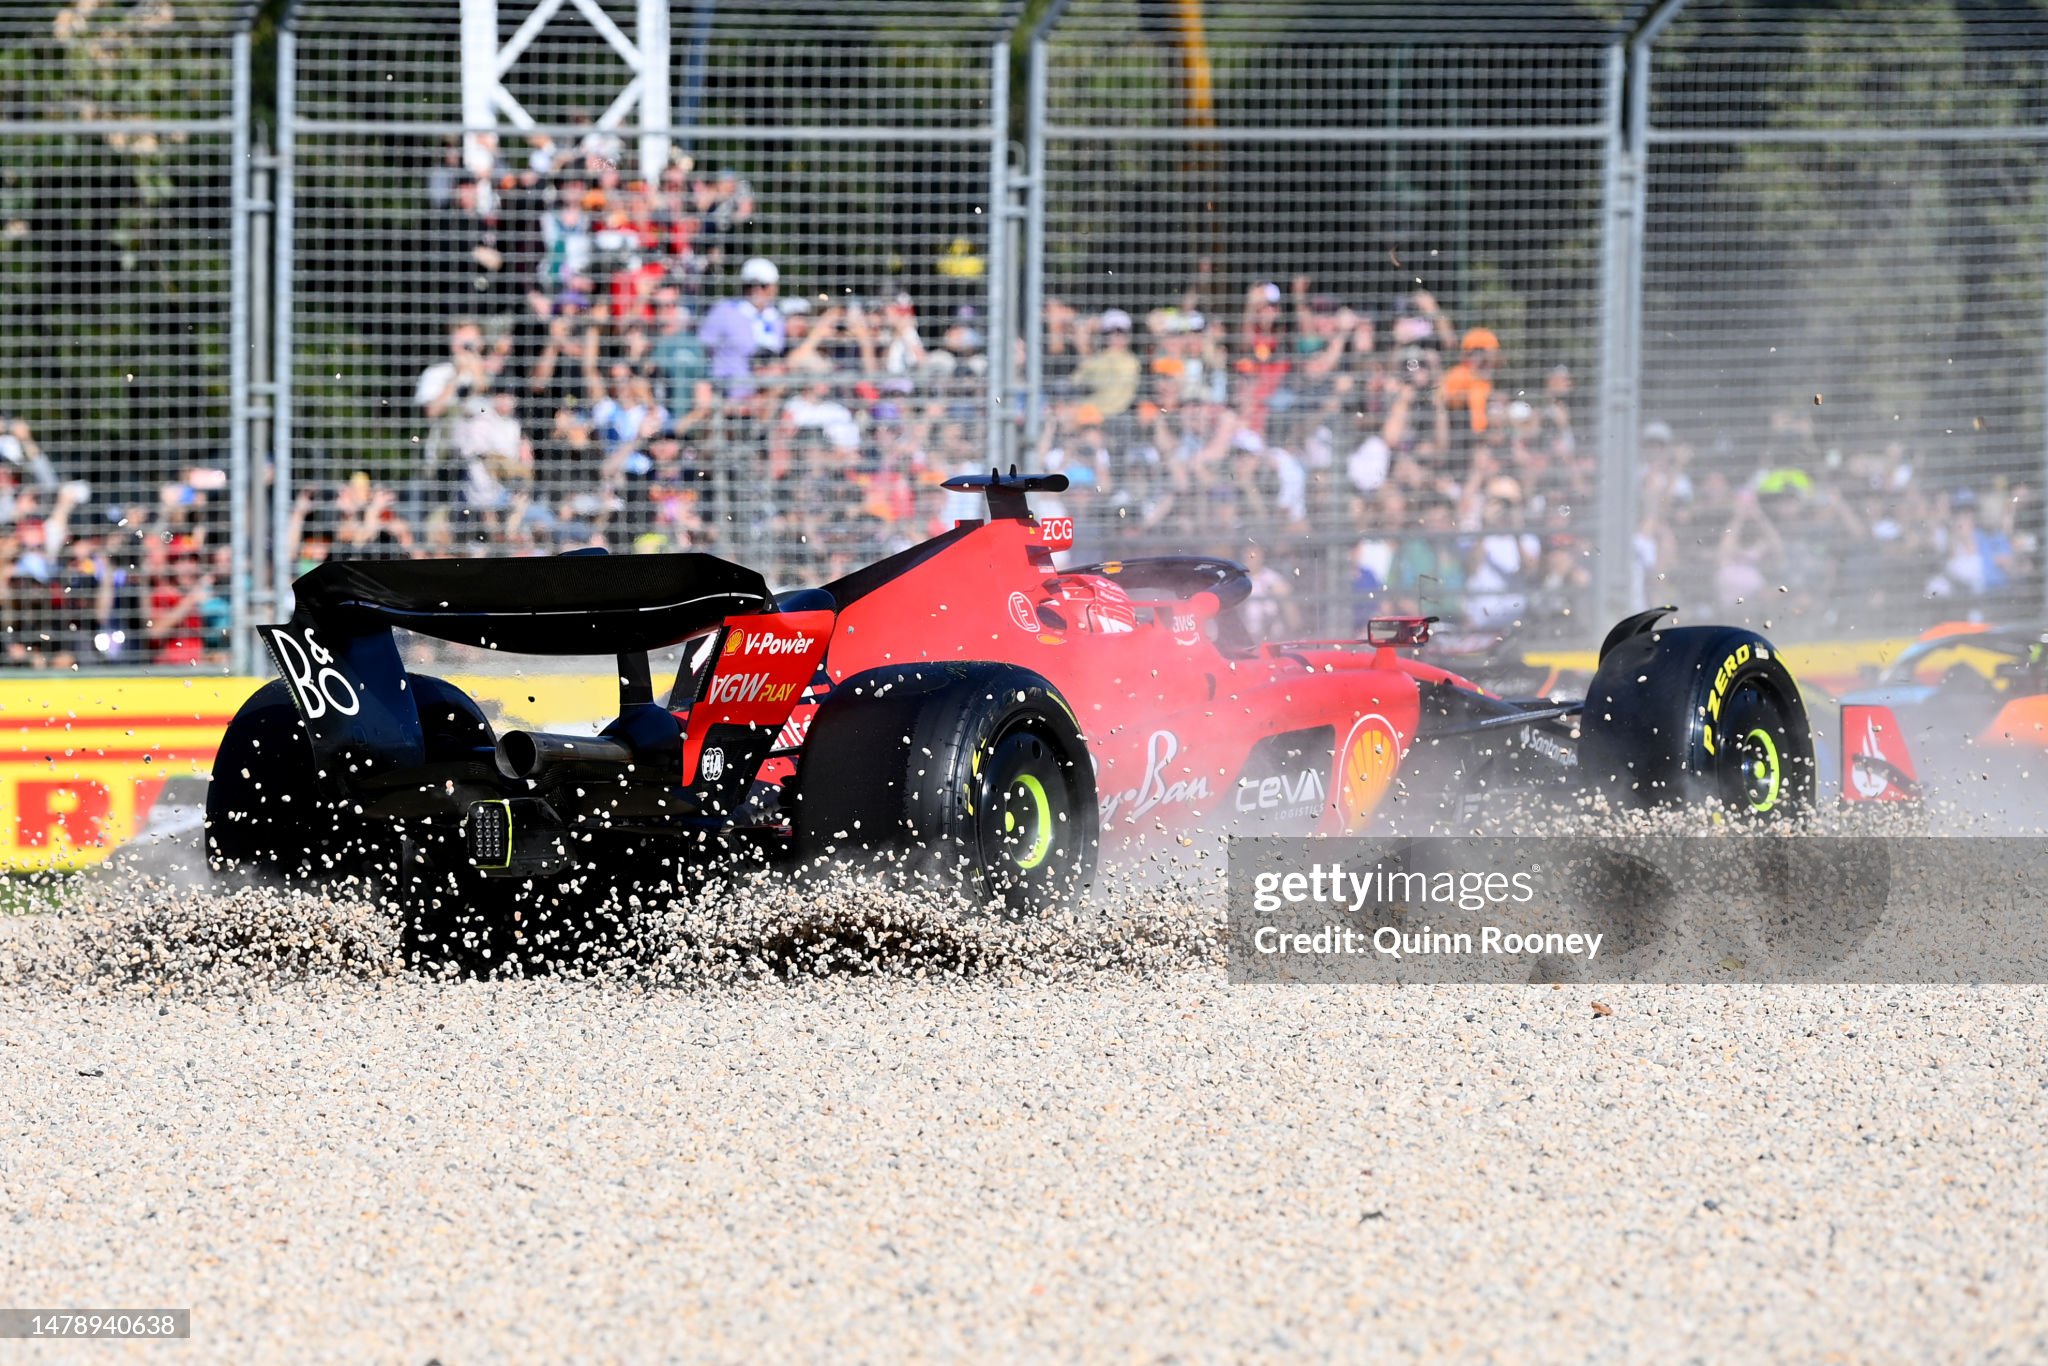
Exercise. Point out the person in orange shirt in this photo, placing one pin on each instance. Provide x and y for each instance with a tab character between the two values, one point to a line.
1469	383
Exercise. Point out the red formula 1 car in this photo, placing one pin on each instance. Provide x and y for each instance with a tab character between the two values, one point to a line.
965	706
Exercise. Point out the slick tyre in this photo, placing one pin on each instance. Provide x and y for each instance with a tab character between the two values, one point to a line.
265	812
1696	716
973	774
452	920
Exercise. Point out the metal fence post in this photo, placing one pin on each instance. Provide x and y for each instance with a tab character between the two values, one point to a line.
240	408
998	219
1034	236
1628	486
262	392
1619	357
657	102
479	76
1623	247
281	492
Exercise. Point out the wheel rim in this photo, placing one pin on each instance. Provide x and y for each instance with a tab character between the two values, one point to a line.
1027	820
1025	798
1763	769
1753	763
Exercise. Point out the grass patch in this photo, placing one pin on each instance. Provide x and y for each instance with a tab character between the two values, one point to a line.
33	893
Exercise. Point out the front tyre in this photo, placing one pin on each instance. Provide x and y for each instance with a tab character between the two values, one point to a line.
1698	715
975	773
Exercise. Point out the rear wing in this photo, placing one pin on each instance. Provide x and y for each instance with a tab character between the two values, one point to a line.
342	668
579	604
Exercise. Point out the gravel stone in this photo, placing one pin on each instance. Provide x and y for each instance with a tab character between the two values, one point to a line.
844	1121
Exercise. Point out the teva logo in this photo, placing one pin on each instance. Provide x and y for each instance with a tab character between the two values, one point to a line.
751	688
1286	778
1153	790
1022	614
711	767
1288	790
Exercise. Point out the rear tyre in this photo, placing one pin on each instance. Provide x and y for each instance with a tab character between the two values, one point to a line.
975	774
452	920
265	812
450	719
455	920
1698	715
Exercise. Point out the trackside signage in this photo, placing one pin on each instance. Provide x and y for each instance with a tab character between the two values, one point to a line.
84	762
88	763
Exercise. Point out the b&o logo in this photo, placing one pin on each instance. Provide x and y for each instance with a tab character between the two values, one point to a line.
309	670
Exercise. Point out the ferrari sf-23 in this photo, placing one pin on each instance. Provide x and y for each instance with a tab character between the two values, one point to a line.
966	709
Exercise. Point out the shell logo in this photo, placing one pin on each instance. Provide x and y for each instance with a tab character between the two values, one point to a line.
734	641
1366	764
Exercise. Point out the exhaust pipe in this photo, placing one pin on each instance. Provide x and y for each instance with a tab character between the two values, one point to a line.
531	753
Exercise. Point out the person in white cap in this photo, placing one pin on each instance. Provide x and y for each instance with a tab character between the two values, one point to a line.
735	331
1109	378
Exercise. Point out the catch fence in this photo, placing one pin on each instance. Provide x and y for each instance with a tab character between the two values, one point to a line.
1522	314
122	133
1843	311
514	310
1357	256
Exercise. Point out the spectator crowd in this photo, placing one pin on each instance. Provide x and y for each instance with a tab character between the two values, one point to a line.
623	368
126	577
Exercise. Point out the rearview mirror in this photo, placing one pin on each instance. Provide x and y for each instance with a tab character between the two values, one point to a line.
1398	631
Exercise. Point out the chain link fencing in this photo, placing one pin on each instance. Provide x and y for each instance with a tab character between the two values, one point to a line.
1843	314
1515	314
1322	291
119	126
551	337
